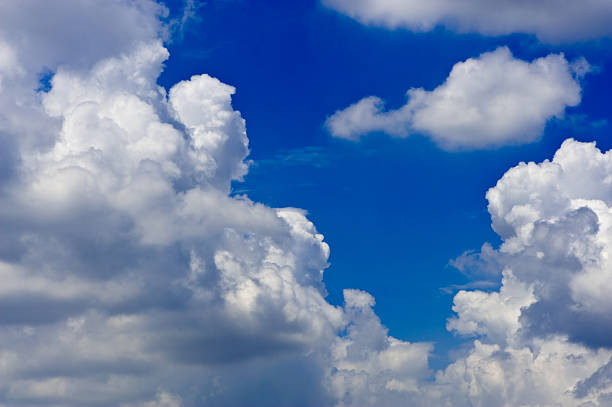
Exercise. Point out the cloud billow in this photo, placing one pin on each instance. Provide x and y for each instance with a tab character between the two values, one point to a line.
488	101
130	276
552	21
545	334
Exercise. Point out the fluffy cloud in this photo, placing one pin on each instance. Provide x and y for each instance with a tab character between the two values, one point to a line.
131	277
555	220
488	101
544	338
370	368
51	41
551	20
125	235
542	374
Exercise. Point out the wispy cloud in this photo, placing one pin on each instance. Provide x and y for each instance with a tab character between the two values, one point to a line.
311	156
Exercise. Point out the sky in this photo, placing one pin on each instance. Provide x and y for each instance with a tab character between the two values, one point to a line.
306	203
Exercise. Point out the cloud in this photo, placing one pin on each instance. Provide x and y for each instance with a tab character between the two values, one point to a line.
369	367
485	102
483	264
188	16
494	315
542	338
551	20
555	221
51	41
314	156
131	277
550	319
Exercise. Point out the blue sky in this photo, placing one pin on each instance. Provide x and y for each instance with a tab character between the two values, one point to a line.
330	203
395	212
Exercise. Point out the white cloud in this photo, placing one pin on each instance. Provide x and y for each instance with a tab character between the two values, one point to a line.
544	337
541	374
551	20
77	33
494	315
130	277
369	368
554	218
488	101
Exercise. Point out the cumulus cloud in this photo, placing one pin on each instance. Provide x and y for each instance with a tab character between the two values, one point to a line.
154	263
560	234
370	368
488	101
544	337
131	277
551	20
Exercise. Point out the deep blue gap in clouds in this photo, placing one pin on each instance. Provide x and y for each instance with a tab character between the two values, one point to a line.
393	211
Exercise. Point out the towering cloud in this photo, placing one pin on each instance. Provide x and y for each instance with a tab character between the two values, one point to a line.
551	20
544	338
130	277
489	101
